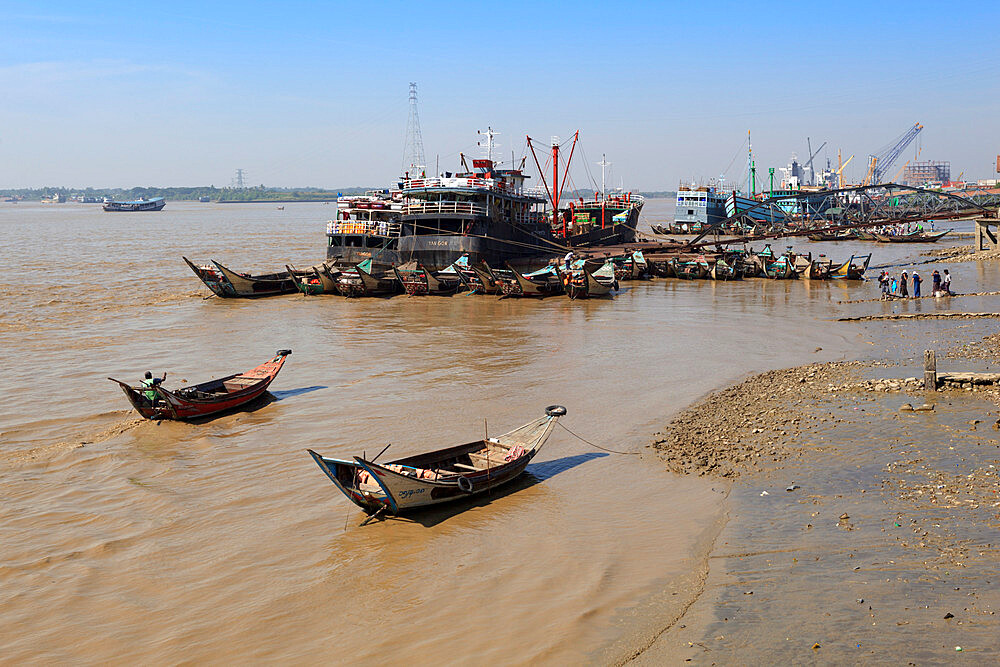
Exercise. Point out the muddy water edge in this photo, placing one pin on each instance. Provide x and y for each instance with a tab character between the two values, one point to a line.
133	540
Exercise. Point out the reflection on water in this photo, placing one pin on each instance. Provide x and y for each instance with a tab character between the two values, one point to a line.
221	540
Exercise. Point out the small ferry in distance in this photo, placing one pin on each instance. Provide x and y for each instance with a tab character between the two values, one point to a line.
154	204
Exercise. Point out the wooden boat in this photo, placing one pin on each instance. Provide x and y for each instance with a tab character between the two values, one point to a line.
722	270
582	283
780	269
851	270
230	284
315	280
207	398
415	482
475	281
814	270
915	237
366	280
747	265
661	268
418	281
541	283
690	270
834	236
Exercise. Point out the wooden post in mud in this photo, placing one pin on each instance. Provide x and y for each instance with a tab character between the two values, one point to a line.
930	370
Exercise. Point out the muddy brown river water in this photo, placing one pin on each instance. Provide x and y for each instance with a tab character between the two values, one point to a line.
126	540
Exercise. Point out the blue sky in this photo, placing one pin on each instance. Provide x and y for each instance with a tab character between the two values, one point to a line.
116	94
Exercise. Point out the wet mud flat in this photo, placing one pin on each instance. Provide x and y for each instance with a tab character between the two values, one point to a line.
857	532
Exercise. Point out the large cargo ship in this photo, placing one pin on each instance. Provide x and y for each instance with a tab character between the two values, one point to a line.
698	207
366	227
484	213
607	219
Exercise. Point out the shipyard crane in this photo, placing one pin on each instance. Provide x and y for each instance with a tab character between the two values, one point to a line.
840	170
879	164
808	164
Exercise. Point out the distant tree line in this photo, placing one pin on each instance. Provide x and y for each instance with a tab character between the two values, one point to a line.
258	193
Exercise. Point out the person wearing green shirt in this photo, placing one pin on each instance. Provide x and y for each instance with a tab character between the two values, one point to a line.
150	382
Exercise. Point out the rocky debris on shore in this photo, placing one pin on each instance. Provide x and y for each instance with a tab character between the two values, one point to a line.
961	253
919	316
906	384
748	424
988	348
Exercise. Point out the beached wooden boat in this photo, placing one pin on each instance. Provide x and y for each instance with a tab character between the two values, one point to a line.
583	283
477	280
415	482
418	281
207	398
780	269
833	236
366	279
915	237
722	270
853	269
539	284
815	270
315	280
690	270
230	284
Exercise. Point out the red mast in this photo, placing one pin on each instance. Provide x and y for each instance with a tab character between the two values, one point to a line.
555	192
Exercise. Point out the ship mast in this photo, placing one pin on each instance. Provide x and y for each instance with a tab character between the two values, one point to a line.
555	192
604	163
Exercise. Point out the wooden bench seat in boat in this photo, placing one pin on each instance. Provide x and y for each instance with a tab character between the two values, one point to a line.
239	383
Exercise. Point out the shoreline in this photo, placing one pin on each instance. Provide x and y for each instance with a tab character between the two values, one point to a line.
799	417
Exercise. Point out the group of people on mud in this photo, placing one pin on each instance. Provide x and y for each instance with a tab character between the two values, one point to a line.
896	287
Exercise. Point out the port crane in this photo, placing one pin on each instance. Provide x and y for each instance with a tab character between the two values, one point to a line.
809	162
879	164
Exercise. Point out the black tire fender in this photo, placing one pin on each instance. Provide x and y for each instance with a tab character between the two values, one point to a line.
465	484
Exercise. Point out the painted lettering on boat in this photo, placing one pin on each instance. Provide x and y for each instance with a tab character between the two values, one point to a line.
437	243
406	493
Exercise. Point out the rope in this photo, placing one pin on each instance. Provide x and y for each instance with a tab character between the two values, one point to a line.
605	449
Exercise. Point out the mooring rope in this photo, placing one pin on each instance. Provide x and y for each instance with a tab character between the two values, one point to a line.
582	439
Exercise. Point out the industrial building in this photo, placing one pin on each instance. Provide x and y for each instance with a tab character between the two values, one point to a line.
920	173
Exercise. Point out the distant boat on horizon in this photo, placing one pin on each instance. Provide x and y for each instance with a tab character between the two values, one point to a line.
155	204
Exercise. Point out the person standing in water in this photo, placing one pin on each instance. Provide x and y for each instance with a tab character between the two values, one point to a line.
903	291
946	283
936	283
916	285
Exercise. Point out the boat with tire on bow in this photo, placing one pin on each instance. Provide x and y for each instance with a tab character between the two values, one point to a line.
440	476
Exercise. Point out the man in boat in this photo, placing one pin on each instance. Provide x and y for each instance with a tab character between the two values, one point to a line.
150	382
568	259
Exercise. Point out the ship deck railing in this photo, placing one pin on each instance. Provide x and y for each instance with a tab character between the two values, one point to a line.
383	228
620	202
444	208
461	182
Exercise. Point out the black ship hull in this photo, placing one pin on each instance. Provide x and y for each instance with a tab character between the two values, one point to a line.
488	240
608	233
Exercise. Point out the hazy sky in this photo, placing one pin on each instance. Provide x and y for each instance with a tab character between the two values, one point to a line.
175	93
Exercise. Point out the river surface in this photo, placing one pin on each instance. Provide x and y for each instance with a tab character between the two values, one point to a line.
128	540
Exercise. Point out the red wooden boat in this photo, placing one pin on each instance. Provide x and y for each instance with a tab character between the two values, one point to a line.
207	398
